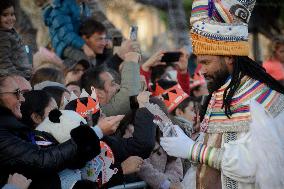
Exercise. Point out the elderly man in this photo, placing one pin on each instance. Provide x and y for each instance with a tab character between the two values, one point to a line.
114	99
240	91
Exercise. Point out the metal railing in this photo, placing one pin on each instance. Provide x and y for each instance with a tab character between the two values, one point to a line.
134	185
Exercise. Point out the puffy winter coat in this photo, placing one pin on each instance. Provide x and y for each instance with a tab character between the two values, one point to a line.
19	153
13	56
63	18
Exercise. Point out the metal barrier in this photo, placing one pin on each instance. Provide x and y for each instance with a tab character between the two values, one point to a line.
134	185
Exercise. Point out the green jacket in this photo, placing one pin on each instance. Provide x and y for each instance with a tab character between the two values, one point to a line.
130	86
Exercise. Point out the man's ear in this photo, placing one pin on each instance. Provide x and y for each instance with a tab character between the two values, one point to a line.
100	93
229	61
85	37
37	119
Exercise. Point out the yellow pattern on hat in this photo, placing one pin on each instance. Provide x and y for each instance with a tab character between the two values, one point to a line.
204	46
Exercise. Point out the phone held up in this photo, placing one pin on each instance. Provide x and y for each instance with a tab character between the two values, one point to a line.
169	57
133	33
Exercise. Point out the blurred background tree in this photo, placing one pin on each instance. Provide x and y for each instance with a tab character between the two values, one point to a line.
267	19
176	17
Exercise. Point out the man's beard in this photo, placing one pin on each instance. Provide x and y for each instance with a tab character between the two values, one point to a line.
217	79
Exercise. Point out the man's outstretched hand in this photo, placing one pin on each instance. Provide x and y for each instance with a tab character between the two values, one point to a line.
178	146
108	125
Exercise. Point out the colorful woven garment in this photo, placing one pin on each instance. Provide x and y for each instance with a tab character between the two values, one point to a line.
249	89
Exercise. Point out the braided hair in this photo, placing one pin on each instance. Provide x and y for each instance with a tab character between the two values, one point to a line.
244	66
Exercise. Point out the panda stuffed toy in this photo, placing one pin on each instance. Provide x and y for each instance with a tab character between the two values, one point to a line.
59	124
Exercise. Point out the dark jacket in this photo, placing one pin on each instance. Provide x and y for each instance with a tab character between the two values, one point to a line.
13	56
141	144
19	153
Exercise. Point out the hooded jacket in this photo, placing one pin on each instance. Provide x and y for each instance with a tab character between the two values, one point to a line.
63	18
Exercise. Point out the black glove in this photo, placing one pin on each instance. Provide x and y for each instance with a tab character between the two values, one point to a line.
87	141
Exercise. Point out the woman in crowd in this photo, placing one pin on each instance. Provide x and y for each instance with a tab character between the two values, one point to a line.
36	107
58	93
19	153
275	64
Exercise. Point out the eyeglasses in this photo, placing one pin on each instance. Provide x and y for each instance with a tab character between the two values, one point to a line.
101	38
18	93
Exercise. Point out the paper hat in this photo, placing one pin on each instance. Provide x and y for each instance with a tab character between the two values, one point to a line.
172	96
92	106
220	27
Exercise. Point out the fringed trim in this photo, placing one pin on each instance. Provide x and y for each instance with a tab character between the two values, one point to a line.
204	46
277	106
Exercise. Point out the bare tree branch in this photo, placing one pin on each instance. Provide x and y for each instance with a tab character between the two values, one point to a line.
177	23
98	14
176	17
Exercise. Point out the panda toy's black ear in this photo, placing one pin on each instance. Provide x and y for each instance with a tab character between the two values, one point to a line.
54	116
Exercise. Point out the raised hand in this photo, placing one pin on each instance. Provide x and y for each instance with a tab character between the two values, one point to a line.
143	98
126	47
183	61
131	165
108	125
19	181
153	61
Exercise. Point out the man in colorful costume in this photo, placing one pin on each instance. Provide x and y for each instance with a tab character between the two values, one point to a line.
244	115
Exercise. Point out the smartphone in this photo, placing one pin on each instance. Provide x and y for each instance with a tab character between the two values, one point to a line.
171	57
116	41
133	33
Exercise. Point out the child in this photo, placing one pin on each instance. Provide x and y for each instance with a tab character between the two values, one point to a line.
13	55
64	17
160	171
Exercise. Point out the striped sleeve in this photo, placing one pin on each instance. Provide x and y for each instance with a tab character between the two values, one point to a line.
206	155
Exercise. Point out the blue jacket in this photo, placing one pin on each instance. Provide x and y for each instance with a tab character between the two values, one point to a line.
63	18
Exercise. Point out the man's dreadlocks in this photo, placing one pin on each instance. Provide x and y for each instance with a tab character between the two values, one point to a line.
244	66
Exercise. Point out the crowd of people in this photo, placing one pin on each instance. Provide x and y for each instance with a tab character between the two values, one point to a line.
81	115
